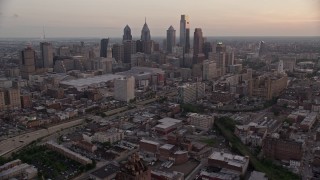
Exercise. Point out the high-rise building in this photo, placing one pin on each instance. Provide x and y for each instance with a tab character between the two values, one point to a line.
146	42
10	99
220	59
124	89
207	48
209	70
262	48
129	48
171	39
104	47
46	55
221	47
127	34
28	58
118	52
197	44
145	32
185	33
189	93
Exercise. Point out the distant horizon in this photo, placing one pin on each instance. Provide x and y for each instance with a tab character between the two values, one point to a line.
137	37
100	18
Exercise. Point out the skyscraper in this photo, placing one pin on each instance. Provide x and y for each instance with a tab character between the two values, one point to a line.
28	57
46	55
129	48
118	52
146	42
198	46
127	33
145	32
104	47
185	33
197	41
262	48
207	47
221	47
171	39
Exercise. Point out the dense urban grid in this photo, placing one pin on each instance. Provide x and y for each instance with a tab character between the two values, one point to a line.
205	108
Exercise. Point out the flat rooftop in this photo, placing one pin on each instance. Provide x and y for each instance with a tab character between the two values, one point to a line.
91	80
233	160
106	171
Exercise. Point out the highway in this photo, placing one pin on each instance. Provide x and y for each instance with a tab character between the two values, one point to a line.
12	144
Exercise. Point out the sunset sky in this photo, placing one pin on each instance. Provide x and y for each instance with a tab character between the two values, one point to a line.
107	18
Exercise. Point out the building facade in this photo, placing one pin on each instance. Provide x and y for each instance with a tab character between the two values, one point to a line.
185	33
171	39
124	89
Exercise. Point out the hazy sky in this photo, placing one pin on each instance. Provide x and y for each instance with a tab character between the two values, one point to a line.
107	18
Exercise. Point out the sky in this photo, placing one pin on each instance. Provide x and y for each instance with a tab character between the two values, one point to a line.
107	18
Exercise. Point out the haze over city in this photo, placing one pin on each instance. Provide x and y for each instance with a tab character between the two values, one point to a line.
100	18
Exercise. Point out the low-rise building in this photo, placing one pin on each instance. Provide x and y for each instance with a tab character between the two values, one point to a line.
107	172
235	163
200	121
15	169
68	153
111	135
167	125
309	121
252	133
165	175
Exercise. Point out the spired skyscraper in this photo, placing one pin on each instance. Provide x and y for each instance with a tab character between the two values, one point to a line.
171	39
104	47
127	34
185	33
145	32
146	42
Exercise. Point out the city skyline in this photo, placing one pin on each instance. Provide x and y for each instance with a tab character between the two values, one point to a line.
100	18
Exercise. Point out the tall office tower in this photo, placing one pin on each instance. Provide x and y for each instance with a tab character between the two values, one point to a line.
262	48
129	48
124	89
139	46
185	33
198	55
46	55
118	52
28	59
221	47
197	41
127	34
9	99
145	32
171	39
229	59
207	48
220	59
104	47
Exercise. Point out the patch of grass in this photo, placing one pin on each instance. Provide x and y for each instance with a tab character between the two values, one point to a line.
209	142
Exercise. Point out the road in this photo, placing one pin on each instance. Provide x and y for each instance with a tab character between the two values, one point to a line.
193	174
12	144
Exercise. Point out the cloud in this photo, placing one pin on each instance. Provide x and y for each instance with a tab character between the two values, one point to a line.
15	15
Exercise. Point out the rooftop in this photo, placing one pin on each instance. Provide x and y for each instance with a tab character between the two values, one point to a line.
91	80
106	171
